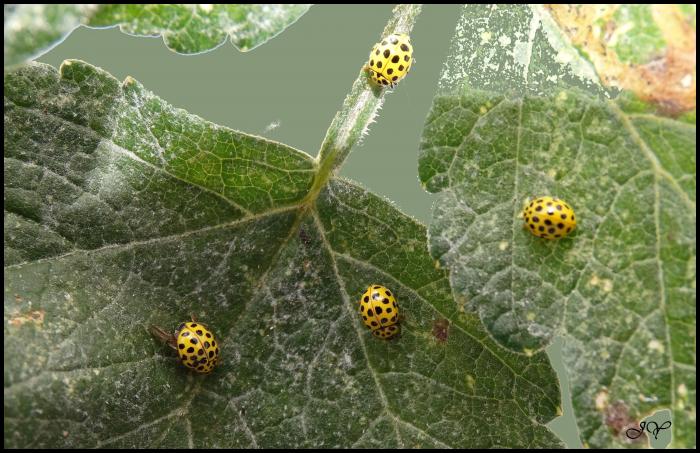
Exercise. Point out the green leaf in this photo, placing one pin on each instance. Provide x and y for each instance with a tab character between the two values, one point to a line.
31	30
621	288
122	211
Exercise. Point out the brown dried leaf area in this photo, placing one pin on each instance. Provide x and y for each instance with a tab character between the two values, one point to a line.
617	418
667	81
441	330
35	316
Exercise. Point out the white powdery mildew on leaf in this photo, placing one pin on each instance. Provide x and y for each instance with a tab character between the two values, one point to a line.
31	30
112	224
513	48
513	123
191	29
620	288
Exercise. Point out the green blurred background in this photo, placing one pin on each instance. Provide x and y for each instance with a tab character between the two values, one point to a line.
290	88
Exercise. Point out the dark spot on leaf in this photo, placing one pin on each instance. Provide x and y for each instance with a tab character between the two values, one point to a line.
441	330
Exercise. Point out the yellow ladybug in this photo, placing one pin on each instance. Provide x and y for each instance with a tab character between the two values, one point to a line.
390	59
196	345
379	311
549	218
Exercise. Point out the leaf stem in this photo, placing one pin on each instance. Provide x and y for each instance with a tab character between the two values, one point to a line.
358	111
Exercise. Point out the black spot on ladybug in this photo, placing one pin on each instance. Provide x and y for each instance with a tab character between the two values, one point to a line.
394	78
559	207
395	59
386	301
394	40
190	349
393	318
563	216
374	323
181	346
213	343
384	43
182	326
193	340
377	52
560	226
535	219
371	62
193	325
404	47
370	313
211	354
387	52
366	299
200	367
405	58
199	332
379	64
541	228
208	335
185	334
378	310
389	71
388	310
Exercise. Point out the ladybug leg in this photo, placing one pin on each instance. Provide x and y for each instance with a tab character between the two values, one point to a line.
194	318
163	336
